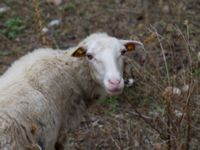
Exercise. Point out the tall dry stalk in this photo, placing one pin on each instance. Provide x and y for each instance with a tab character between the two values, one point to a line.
40	23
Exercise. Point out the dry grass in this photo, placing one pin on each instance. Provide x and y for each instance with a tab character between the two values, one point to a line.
167	78
161	111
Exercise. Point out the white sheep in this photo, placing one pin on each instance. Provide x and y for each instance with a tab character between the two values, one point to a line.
46	92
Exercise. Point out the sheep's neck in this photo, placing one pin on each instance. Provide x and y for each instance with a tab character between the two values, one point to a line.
66	80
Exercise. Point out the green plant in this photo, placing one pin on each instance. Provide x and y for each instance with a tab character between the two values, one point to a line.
112	102
70	7
5	53
197	72
13	27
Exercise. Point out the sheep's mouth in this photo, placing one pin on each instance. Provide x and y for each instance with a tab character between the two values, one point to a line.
114	91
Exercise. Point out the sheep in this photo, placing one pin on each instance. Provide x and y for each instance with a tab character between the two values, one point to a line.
45	93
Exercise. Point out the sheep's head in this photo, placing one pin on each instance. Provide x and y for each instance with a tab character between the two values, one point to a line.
105	57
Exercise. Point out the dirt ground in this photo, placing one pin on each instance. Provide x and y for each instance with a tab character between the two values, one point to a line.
147	116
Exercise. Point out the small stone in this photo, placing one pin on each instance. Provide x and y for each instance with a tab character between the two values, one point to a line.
166	9
178	113
4	9
55	22
45	30
198	56
100	126
185	88
119	116
169	91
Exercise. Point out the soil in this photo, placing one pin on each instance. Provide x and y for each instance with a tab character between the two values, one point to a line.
137	120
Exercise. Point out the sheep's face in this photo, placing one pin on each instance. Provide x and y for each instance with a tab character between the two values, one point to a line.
105	57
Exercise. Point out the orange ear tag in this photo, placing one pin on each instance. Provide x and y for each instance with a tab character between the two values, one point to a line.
130	46
80	52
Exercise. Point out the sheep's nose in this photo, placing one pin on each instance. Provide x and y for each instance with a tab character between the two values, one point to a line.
114	81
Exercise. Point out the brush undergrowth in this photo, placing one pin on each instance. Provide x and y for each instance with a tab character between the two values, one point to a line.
167	88
13	27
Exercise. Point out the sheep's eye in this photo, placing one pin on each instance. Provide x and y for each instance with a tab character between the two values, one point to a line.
89	56
123	52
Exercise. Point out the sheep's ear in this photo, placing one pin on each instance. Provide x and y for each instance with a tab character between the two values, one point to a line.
132	45
79	52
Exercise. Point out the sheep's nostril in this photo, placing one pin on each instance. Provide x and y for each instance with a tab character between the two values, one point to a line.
114	81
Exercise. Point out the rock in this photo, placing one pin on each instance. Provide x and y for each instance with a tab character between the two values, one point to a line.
185	88
178	113
54	22
171	91
119	116
198	55
45	30
4	9
166	9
